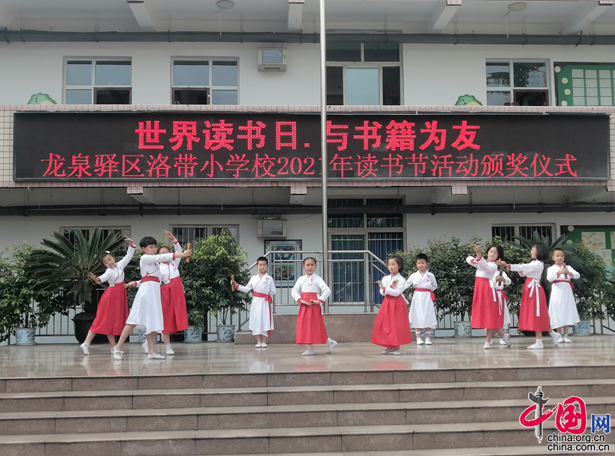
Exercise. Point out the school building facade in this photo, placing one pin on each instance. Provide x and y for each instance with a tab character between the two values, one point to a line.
446	118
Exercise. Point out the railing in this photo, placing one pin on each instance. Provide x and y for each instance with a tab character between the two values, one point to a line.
351	276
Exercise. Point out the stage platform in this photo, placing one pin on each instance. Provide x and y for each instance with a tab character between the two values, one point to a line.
451	398
41	361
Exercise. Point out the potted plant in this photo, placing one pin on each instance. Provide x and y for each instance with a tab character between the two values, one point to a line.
206	280
65	265
25	304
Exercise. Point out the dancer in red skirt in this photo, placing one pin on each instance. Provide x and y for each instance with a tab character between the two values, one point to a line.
174	313
392	326
112	309
310	291
486	311
533	313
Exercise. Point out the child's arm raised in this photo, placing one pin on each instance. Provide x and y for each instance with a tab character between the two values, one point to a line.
176	245
160	258
244	289
129	254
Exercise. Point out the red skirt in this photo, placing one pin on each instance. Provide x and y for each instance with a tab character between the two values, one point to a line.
392	326
528	320
485	311
112	311
310	324
174	314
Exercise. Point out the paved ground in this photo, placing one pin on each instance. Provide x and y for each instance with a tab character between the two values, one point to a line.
68	360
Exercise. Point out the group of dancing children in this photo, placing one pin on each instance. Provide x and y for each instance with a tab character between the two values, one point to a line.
158	307
160	304
489	304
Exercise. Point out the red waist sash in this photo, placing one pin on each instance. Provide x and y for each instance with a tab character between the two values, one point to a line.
150	279
565	281
264	296
427	290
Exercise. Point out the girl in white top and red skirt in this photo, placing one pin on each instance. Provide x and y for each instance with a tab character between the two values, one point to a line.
486	312
533	312
174	312
112	308
562	306
392	326
310	291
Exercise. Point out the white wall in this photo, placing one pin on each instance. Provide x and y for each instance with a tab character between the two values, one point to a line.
432	74
29	68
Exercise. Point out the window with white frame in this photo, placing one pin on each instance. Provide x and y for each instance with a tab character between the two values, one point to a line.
98	81
363	74
191	233
531	232
205	81
69	232
517	83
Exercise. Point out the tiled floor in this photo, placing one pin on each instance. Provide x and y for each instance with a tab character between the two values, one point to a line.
69	361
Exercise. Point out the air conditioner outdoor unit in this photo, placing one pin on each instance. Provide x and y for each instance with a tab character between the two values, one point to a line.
271	59
271	229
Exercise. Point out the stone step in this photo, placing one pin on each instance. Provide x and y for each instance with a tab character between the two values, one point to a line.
537	450
271	441
297	395
275	417
244	380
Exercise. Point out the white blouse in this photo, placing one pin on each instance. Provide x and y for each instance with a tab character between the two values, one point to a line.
389	289
484	269
171	270
311	284
553	274
532	270
116	274
264	285
418	280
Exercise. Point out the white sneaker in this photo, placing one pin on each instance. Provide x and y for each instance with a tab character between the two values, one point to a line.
170	351
427	341
155	356
386	351
506	339
537	345
145	348
566	339
308	353
263	345
85	348
503	342
397	352
258	345
419	341
117	354
556	337
330	346
487	346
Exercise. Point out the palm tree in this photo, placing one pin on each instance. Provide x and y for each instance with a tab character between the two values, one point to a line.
64	265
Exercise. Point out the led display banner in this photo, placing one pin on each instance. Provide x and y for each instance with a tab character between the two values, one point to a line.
262	146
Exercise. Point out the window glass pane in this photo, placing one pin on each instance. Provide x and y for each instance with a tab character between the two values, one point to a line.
523	98
191	96
190	74
385	221
79	73
189	234
498	75
225	74
224	97
112	96
335	85
530	74
536	233
113	73
391	86
505	233
344	52
78	97
345	221
381	52
498	98
362	86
